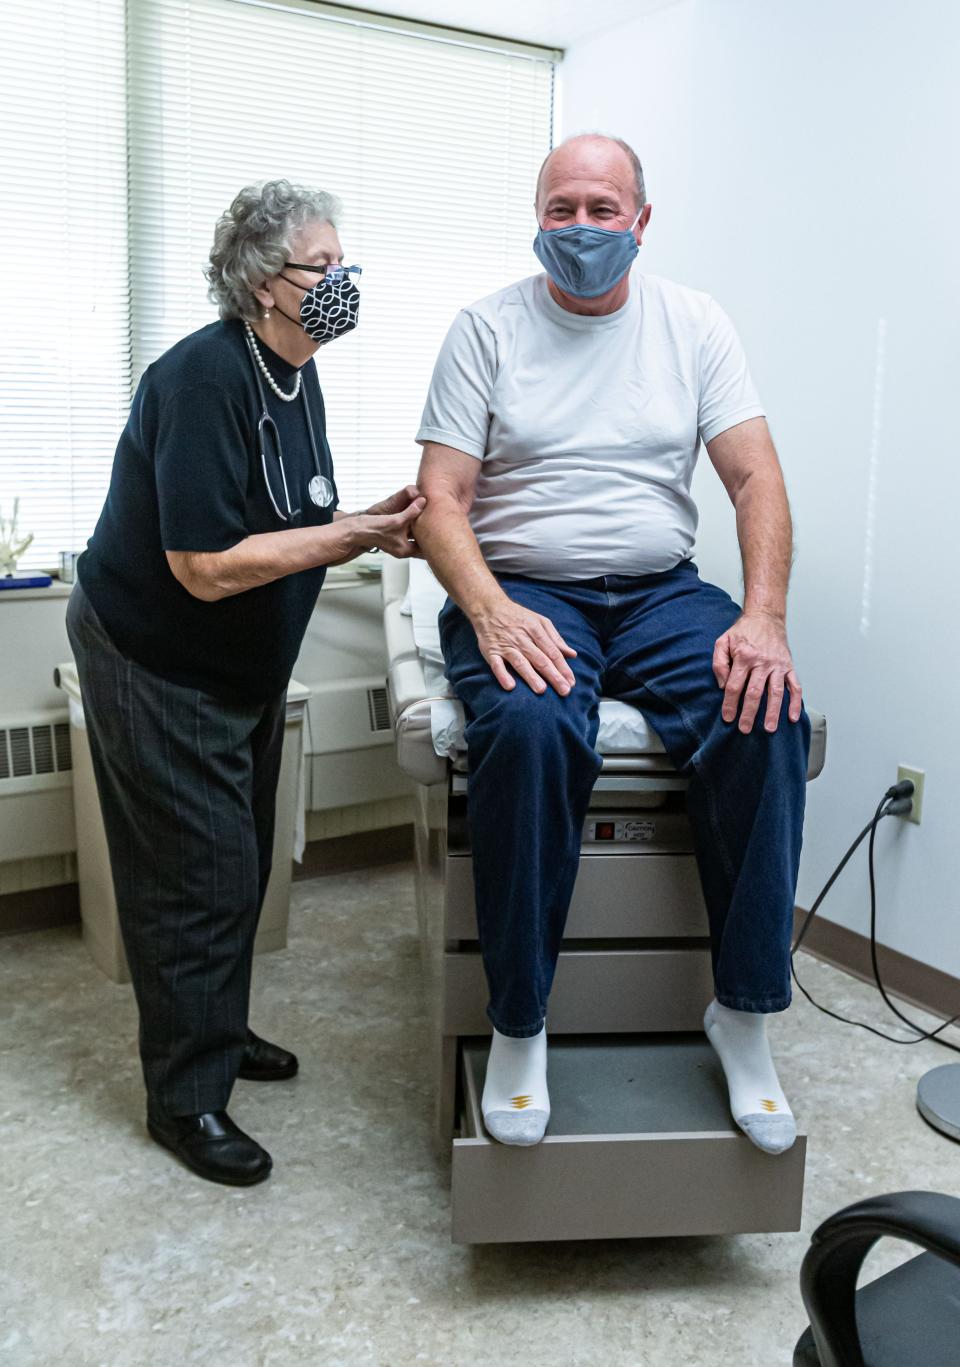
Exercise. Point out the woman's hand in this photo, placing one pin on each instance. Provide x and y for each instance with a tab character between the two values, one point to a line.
396	503
385	526
391	531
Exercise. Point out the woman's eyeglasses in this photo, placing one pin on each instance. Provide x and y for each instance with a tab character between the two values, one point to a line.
333	271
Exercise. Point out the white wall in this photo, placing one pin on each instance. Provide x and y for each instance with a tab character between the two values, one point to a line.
801	161
33	641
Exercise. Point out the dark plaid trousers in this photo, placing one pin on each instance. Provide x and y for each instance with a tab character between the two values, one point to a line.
187	788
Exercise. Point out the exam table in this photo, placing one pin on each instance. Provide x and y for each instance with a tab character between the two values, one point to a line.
640	1142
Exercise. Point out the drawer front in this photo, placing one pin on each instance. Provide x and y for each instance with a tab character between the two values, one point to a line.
616	896
623	1187
687	1171
595	991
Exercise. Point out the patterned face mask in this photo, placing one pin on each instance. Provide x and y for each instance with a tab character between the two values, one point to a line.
329	309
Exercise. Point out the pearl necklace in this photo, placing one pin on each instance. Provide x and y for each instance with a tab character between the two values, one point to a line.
287	398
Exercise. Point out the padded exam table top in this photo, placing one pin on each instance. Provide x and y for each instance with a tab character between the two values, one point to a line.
428	719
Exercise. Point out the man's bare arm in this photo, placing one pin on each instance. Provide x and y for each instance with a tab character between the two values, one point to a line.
754	654
443	529
507	633
260	559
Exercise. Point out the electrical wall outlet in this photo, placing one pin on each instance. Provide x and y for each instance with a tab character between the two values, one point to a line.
916	778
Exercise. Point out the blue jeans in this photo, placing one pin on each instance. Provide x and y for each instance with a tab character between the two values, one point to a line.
649	641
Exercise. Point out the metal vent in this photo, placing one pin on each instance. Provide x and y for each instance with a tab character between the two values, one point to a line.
43	750
61	741
29	750
20	751
379	709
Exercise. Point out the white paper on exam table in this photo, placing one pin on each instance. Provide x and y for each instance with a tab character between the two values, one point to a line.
623	729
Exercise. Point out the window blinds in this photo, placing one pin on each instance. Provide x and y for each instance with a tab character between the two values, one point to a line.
432	146
127	130
65	353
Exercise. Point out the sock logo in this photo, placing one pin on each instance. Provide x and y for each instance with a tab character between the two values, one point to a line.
519	1103
768	1105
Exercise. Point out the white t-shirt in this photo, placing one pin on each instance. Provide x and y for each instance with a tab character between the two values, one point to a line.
588	427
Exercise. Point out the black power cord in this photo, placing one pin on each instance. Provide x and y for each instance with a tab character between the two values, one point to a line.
897	801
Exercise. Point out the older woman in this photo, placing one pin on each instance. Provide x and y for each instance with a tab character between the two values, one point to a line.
193	598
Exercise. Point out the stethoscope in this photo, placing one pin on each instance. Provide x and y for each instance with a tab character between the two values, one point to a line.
268	438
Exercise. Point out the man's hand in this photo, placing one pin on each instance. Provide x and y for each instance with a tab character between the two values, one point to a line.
509	634
754	653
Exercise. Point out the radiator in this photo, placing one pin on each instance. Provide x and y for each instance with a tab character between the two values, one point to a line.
36	786
349	741
350	759
347	714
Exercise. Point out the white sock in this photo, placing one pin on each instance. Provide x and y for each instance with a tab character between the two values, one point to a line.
515	1104
757	1102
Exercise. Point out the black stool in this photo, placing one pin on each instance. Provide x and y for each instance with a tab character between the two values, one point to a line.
909	1317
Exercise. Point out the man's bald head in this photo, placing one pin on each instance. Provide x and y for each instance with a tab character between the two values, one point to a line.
593	155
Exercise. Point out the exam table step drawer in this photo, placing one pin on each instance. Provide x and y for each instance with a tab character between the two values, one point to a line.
640	1145
595	991
620	896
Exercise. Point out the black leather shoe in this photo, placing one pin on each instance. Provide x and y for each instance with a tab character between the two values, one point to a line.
213	1146
265	1062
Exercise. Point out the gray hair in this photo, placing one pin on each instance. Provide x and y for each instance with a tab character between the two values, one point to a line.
253	240
634	160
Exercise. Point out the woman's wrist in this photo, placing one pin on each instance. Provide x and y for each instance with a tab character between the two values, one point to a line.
337	542
358	538
354	536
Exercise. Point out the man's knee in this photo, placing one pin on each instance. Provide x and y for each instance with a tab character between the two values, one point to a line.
785	747
523	721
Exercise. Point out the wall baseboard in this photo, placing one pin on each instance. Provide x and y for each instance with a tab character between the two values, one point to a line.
908	979
362	816
360	849
47	871
39	908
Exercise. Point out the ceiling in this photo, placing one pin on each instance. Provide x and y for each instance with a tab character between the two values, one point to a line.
554	23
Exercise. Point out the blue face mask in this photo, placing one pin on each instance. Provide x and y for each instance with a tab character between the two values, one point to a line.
583	260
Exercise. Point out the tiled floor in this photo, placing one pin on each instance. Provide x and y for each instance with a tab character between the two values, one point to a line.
113	1254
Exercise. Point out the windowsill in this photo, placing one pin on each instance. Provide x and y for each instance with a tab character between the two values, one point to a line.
54	590
348	576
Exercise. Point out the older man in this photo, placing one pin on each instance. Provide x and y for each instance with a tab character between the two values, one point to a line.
560	437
